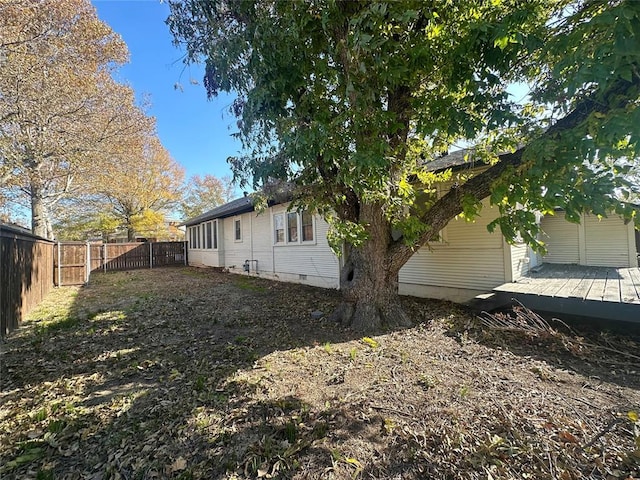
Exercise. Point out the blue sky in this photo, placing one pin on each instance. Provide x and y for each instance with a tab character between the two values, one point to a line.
195	130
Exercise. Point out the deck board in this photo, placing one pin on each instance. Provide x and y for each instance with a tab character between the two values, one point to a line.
628	293
602	284
634	274
574	277
597	292
581	290
612	288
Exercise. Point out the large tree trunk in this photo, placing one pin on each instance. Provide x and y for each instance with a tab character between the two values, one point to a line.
40	222
369	280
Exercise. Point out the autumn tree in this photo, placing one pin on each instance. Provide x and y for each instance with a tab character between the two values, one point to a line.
203	193
139	186
352	101
60	109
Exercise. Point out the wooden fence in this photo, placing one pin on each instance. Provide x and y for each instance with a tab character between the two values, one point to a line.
26	274
30	266
74	261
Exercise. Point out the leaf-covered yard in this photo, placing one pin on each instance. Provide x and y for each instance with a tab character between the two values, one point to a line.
196	374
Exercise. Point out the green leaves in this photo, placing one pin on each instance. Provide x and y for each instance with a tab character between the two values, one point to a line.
351	102
341	232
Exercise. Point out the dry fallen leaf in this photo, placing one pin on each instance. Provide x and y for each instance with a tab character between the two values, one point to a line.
567	437
179	465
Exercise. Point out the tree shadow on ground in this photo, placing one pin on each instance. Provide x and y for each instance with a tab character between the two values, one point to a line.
188	373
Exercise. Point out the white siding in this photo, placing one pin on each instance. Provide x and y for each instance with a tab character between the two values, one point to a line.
312	263
236	252
315	259
262	243
519	260
607	242
561	238
207	258
471	258
203	256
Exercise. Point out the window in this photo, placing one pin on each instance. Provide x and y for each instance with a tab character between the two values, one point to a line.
278	224
192	237
238	230
306	220
208	229
292	227
215	235
199	238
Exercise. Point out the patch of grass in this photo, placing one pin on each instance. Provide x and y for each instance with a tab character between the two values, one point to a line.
58	325
249	283
55	313
200	383
31	452
427	381
56	426
194	272
41	415
45	474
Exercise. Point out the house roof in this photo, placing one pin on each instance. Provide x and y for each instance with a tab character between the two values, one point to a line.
454	160
234	207
14	230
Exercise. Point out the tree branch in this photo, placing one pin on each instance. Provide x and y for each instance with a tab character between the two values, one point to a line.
619	95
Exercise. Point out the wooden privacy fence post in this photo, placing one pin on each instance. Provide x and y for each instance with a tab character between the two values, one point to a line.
59	267
104	257
88	263
150	254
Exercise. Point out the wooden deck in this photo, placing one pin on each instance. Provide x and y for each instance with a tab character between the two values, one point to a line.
598	292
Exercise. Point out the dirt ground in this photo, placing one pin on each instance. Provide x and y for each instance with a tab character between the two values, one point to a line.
190	373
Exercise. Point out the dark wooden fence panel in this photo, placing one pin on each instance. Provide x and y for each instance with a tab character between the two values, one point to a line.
129	256
126	256
70	264
96	256
30	266
166	254
73	268
26	275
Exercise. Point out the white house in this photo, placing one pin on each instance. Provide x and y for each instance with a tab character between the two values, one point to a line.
275	243
292	247
467	261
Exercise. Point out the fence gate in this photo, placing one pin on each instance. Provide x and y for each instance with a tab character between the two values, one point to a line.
70	264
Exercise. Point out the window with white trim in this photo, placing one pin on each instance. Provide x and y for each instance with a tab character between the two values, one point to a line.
199	237
208	236
278	225
237	228
293	228
306	223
